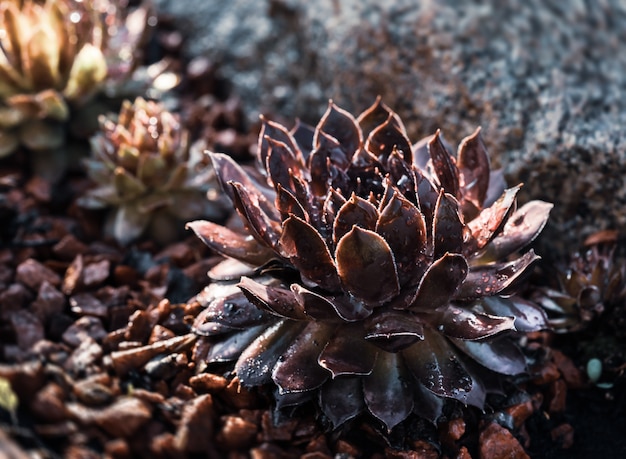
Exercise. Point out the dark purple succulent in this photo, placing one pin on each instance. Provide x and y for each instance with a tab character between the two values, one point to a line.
589	284
370	273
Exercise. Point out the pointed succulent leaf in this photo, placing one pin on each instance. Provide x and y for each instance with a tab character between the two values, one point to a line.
227	170
22	106
382	141
88	70
307	251
519	230
261	225
490	219
330	149
426	405
529	317
311	203
270	130
492	279
330	307
482	382
303	135
342	126
387	392
356	211
347	354
440	283
287	204
208	328
316	306
203	326
463	323
282	164
231	269
393	331
377	114
217	290
420	153
100	198
403	226
129	223
53	105
236	311
42	58
341	399
127	185
277	300
401	175
428	197
297	369
389	191
437	366
13	22
333	202
287	399
256	363
444	165
319	165
150	203
499	355
447	226
473	165
351	309
497	185
231	244
230	348
366	267
362	161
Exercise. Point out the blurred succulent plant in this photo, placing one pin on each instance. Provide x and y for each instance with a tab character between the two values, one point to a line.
148	174
55	56
127	31
385	272
50	55
589	284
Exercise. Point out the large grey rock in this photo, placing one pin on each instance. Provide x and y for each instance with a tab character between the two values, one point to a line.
545	79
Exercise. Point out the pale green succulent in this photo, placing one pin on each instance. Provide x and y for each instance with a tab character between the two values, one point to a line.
50	58
148	174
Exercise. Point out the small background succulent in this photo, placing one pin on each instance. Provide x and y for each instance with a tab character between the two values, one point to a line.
148	175
55	56
370	273
51	55
592	282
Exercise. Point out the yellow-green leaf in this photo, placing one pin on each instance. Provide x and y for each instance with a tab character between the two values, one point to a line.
8	399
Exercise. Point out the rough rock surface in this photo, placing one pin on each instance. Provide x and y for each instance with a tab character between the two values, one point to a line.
544	79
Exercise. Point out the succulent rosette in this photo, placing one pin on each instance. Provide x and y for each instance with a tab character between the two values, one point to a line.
148	175
589	284
375	274
50	57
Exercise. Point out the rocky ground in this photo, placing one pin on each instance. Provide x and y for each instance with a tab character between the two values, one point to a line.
96	345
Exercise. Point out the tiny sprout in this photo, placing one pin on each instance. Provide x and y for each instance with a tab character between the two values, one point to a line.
594	370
